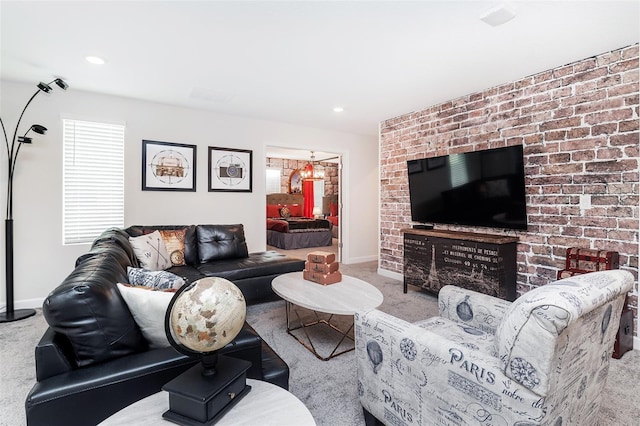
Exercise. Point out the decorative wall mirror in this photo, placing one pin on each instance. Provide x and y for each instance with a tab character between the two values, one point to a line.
295	182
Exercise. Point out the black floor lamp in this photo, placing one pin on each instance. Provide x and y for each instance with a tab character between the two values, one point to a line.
13	150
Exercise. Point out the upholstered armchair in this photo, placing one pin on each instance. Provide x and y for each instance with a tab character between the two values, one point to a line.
541	360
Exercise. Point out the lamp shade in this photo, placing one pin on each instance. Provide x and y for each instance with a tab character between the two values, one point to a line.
61	83
44	87
41	130
24	139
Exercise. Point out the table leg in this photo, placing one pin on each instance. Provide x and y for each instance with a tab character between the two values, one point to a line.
301	325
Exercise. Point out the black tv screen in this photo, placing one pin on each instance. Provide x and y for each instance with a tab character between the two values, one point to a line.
479	188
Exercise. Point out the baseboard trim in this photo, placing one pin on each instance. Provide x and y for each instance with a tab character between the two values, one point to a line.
390	274
361	259
24	304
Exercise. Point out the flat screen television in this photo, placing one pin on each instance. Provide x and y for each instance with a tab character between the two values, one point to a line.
480	188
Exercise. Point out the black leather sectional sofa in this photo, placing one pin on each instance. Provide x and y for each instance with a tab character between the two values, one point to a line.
93	360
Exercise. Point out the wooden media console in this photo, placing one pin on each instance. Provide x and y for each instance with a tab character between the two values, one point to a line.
481	262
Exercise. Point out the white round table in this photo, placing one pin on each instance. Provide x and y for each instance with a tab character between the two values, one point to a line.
265	404
343	298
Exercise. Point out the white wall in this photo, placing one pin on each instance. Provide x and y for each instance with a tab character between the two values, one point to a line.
42	262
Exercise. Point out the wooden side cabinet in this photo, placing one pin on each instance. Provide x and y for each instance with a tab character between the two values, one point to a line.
481	262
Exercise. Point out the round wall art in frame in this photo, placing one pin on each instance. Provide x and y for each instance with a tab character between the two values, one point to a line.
230	170
168	166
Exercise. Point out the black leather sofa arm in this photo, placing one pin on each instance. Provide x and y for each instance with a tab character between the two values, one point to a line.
87	396
274	369
110	386
247	345
51	359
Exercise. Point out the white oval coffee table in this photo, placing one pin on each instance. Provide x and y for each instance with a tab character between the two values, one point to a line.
343	298
265	404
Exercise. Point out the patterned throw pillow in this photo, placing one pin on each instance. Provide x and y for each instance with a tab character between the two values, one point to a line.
285	212
151	251
174	242
157	280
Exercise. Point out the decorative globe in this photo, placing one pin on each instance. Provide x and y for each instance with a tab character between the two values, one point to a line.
205	315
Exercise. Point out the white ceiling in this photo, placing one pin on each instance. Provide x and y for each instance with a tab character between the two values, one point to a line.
294	61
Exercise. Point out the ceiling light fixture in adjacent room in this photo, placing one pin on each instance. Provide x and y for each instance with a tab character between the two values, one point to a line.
498	15
95	60
313	170
338	109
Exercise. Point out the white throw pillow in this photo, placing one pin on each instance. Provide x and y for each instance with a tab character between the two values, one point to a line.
151	251
148	308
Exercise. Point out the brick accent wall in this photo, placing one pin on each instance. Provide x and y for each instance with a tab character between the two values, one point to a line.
579	127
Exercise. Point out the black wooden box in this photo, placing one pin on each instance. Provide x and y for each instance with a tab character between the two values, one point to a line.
195	399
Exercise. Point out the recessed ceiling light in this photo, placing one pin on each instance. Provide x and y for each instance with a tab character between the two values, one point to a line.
338	109
498	15
95	60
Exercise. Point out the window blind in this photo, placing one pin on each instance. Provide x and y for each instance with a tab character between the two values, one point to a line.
273	181
93	179
458	167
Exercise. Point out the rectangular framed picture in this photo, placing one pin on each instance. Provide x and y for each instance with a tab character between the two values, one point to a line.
230	169
168	166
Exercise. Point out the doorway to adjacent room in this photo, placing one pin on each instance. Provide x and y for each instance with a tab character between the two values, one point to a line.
289	171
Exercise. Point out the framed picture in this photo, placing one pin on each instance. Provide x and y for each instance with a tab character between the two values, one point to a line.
230	170
168	166
295	182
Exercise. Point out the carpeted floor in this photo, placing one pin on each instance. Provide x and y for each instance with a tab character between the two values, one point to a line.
326	387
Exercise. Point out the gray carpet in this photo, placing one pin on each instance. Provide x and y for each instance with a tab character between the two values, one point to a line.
326	387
